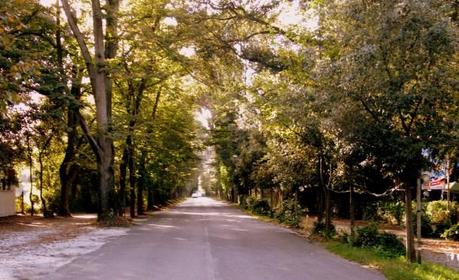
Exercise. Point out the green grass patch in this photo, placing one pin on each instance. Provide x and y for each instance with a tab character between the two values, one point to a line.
392	268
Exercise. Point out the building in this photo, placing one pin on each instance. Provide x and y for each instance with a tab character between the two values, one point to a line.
7	202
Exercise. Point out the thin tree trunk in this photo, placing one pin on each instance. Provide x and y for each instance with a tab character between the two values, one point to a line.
143	151
40	161
150	201
132	180
322	197
32	210
141	185
43	201
67	165
410	250
351	208
123	172
22	202
328	223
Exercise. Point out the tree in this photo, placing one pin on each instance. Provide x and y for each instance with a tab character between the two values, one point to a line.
394	64
101	89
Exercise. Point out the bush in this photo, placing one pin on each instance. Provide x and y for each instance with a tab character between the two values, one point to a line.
366	236
385	244
426	228
440	217
321	229
370	212
452	233
392	212
289	213
247	202
389	245
439	213
260	207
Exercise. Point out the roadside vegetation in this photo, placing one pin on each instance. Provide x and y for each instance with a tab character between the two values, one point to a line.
393	268
288	108
367	245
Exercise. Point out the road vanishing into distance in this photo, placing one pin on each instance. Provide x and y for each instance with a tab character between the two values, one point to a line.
204	239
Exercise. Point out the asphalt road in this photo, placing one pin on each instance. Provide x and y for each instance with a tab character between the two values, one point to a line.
203	239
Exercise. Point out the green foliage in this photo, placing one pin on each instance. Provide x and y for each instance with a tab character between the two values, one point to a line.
452	233
392	268
259	206
321	229
392	212
441	215
441	211
370	212
290	213
385	244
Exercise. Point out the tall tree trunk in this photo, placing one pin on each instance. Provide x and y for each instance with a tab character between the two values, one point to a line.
111	47
103	147
143	152
106	152
63	208
410	250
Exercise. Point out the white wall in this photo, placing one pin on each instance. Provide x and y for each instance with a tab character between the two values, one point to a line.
7	203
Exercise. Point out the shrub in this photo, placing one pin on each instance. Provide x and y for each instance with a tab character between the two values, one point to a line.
385	244
321	229
247	202
440	217
392	212
366	236
439	213
452	233
426	228
389	245
289	213
260	207
370	212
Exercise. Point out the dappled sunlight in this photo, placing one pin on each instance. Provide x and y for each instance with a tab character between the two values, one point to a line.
37	225
85	216
202	202
213	214
180	239
208	207
161	226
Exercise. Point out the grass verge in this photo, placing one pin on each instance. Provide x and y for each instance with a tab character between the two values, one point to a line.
395	268
392	268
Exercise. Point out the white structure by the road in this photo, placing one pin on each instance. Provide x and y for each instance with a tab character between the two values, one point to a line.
7	202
